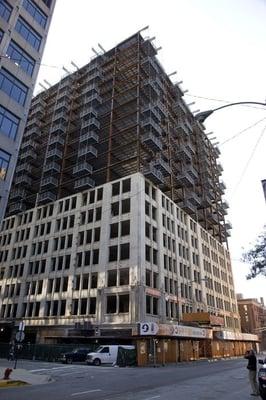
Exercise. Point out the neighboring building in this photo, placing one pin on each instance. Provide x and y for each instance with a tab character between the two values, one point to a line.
99	262
24	26
263	182
253	317
116	116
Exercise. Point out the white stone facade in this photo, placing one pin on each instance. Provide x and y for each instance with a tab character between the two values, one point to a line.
112	256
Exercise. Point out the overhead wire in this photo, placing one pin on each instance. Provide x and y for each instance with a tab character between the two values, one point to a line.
249	160
221	101
242	131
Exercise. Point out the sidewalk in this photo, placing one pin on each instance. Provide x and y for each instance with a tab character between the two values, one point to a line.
19	377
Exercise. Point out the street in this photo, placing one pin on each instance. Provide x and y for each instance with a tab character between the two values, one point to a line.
223	380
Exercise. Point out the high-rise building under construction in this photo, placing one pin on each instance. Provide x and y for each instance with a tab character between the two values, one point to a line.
118	115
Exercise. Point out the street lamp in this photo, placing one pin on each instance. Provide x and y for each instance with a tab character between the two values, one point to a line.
201	116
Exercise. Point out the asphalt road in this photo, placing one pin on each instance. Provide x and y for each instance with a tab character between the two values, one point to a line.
223	380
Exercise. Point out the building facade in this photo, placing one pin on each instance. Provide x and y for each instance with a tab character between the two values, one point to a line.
24	26
253	317
119	115
109	258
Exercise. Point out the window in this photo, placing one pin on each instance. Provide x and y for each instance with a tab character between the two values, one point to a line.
115	208
112	277
92	308
113	250
115	188
95	256
35	12
111	304
1	35
4	162
97	233
124	251
98	213
114	230
124	276
13	87
125	228
5	10
8	123
21	58
99	194
28	33
126	185
125	206
94	280
123	303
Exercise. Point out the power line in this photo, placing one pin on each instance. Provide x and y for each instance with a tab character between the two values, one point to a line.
249	160
221	101
243	131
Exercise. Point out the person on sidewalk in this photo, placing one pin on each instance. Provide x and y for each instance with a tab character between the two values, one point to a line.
252	371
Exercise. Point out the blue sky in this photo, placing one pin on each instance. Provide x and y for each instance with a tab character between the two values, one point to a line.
218	51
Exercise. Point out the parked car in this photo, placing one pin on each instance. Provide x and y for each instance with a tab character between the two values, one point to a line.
262	379
75	355
106	354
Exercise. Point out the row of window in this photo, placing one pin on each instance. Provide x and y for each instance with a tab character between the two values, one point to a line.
35	12
5	10
21	58
28	33
8	123
10	85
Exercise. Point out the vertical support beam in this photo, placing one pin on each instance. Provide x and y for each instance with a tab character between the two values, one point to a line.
108	173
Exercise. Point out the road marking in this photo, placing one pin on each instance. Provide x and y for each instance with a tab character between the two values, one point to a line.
48	369
87	391
154	397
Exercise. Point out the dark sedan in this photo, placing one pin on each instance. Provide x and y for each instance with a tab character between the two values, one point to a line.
75	355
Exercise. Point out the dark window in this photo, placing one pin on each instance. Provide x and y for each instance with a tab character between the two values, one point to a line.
115	188
15	89
123	303
124	276
90	216
97	232
21	58
85	281
92	309
35	12
88	236
94	280
113	251
111	304
95	256
92	196
87	257
148	253
115	208
125	206
8	123
148	305
5	10
114	230
28	33
112	277
83	306
126	185
124	251
98	213
148	277
99	194
125	228
65	284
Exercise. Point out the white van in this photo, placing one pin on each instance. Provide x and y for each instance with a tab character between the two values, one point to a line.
106	354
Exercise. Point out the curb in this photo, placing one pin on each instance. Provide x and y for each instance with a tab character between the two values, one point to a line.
11	383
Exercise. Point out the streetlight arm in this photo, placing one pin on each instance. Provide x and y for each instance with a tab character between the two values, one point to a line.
201	116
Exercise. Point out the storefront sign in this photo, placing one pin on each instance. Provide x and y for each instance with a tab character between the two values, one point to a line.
151	328
184	331
148	328
229	335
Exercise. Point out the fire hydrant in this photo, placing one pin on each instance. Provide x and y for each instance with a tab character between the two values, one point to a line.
7	373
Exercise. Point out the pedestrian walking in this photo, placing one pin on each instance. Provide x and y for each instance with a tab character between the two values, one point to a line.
252	371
